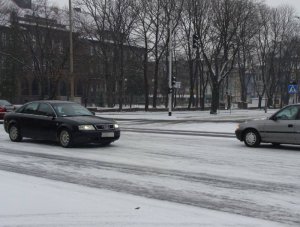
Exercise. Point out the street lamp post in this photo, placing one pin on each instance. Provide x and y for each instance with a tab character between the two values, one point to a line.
170	71
71	51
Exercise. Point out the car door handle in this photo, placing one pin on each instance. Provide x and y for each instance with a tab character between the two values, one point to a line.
290	125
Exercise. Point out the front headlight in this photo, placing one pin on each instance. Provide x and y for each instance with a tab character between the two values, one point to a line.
238	126
116	126
86	127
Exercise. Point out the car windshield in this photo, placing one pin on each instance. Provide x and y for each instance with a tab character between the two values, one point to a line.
4	103
70	109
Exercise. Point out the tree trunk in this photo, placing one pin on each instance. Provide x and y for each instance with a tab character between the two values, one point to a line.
259	101
197	77
155	84
121	79
270	101
243	85
202	101
191	99
215	97
131	100
146	83
108	85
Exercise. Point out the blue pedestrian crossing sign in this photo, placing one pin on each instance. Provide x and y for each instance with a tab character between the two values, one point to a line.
293	89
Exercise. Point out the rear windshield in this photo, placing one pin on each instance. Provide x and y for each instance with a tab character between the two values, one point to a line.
70	109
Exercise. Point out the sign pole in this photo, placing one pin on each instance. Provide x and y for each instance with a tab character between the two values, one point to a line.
293	90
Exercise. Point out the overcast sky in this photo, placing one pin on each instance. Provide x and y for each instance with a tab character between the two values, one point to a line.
294	3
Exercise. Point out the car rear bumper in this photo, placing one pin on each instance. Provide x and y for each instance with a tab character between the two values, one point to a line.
95	136
238	134
2	115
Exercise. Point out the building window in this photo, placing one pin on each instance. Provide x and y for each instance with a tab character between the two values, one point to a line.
94	50
92	69
91	51
2	63
33	38
3	39
57	45
60	47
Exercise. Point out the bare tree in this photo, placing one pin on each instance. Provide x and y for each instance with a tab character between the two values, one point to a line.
35	46
122	16
163	14
108	26
143	35
218	43
286	42
158	28
201	9
94	26
247	30
45	40
186	26
191	21
276	29
11	59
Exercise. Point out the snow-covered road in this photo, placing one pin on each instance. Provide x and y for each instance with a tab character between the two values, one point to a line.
216	173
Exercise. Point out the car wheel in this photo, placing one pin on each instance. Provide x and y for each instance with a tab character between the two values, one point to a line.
251	138
65	138
14	133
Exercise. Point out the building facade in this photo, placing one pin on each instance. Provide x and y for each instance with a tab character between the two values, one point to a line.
35	63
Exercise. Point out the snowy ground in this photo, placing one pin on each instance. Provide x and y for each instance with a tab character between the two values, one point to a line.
147	179
30	201
192	116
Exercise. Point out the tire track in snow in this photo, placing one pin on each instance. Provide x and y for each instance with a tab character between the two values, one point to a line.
78	171
180	132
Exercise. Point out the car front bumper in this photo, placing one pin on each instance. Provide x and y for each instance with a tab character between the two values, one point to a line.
95	136
238	134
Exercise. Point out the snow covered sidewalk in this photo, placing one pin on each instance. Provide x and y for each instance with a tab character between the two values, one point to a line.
222	116
223	122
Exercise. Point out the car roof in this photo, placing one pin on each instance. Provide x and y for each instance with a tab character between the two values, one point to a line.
295	104
4	100
51	101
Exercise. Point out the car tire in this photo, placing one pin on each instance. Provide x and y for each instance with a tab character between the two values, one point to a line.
14	133
65	138
251	138
106	143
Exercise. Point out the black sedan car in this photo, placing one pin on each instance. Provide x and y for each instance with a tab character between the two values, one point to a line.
66	122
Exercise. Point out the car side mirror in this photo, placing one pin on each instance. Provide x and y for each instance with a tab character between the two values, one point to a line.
274	118
51	116
93	113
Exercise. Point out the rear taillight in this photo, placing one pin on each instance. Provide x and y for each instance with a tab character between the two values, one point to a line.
2	109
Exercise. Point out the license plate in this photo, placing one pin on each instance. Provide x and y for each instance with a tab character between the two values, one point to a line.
108	134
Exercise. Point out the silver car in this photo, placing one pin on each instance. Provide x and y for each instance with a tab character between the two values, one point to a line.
281	127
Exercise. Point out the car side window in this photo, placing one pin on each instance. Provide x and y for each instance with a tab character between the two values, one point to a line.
30	108
298	114
45	110
289	113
